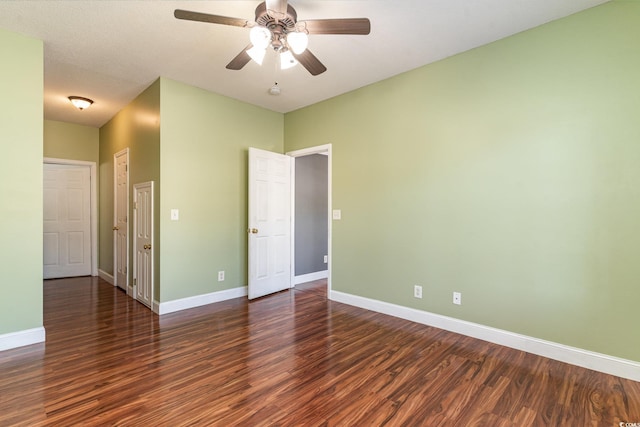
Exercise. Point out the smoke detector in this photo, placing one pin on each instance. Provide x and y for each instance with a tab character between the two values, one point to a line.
275	89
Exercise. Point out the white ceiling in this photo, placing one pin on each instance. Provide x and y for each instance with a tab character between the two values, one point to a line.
111	51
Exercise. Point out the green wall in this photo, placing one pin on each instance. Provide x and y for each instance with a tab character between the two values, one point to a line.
21	89
205	140
508	173
71	141
136	127
195	143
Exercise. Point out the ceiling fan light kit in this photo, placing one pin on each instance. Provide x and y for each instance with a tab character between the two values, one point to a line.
260	37
257	54
287	60
276	24
298	42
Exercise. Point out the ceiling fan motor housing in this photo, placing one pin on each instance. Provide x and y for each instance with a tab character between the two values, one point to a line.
278	25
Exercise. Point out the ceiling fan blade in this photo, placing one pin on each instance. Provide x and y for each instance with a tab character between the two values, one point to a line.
278	7
213	19
336	26
310	62
240	60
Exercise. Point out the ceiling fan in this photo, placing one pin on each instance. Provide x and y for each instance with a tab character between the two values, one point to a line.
276	25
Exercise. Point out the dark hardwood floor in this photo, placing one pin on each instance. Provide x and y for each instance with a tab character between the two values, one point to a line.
290	359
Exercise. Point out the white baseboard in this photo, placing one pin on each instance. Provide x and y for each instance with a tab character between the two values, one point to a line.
22	338
304	278
198	300
105	276
572	355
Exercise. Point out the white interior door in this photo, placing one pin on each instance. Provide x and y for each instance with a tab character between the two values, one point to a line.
269	222
143	243
67	221
121	226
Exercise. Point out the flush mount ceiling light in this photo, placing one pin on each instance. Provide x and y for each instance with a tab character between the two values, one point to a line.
276	24
80	102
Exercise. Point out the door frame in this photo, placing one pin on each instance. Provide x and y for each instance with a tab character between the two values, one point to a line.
320	149
93	201
136	211
126	288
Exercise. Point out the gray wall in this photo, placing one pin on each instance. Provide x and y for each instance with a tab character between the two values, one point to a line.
311	214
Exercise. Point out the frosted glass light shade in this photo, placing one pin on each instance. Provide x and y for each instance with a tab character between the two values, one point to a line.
257	54
298	42
80	103
260	37
287	60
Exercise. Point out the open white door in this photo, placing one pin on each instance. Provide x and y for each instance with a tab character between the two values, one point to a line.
269	222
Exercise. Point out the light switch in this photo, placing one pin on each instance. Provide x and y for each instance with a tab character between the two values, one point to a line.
175	214
337	214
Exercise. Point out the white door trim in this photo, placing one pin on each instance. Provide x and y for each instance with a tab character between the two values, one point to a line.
93	201
320	149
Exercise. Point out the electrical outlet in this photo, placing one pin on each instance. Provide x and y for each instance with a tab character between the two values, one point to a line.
417	291
220	276
326	259
457	298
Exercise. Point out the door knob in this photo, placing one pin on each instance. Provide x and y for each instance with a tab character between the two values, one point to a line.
254	231
116	228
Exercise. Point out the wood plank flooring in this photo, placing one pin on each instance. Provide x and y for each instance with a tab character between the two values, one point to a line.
290	359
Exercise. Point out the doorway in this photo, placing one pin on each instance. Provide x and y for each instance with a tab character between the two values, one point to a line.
266	271
311	223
